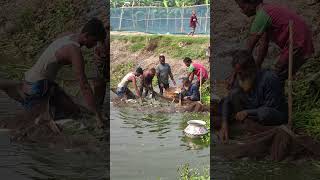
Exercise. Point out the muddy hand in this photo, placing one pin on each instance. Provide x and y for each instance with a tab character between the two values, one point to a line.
240	116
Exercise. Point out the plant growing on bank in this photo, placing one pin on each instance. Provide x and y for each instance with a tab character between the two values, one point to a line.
180	46
306	99
186	173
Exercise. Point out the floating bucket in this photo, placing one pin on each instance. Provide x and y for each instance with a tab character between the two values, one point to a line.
195	129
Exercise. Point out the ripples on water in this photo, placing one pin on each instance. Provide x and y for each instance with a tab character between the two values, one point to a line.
150	145
33	161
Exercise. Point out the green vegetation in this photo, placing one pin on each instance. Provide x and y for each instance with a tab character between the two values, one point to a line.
306	99
163	3
176	47
186	173
205	93
35	28
119	71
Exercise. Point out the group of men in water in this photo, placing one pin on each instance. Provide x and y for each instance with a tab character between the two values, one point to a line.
189	90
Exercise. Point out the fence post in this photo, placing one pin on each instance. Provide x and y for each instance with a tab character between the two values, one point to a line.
182	10
167	20
148	20
133	20
205	27
121	18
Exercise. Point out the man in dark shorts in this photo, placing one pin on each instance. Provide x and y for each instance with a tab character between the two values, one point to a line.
146	82
257	97
39	81
271	23
163	73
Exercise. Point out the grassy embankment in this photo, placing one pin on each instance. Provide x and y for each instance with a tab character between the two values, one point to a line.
167	44
35	27
306	99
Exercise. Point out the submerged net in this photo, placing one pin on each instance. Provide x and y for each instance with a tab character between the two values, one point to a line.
265	142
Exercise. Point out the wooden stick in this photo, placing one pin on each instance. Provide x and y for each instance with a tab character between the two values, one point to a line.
290	74
200	84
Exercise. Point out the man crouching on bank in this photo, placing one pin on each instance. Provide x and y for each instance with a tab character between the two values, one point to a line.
257	96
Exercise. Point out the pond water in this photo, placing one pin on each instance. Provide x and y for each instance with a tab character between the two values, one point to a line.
147	145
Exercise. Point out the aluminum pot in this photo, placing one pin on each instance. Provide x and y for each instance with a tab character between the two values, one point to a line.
195	128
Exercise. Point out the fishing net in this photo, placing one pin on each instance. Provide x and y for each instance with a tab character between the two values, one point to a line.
168	103
267	142
31	127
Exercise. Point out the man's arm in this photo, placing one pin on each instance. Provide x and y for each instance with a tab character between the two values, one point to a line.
252	41
263	49
191	75
78	67
158	74
134	82
259	27
171	76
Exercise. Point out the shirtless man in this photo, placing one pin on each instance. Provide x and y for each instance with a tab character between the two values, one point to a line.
38	83
122	88
146	82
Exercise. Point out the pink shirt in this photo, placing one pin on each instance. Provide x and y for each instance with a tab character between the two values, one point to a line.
279	30
198	68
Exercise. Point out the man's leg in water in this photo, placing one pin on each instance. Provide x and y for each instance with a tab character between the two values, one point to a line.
161	88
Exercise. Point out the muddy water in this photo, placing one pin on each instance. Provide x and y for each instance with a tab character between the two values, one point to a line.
264	170
34	161
151	146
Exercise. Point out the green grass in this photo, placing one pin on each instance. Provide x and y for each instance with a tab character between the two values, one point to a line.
205	93
187	173
306	102
168	45
136	47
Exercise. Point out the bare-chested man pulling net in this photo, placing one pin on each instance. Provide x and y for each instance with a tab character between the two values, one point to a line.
38	92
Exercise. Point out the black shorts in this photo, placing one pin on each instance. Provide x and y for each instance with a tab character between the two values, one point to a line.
163	85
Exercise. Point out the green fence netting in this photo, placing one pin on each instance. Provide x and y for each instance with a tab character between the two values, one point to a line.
160	20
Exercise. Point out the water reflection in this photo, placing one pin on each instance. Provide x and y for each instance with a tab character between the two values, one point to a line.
34	161
151	145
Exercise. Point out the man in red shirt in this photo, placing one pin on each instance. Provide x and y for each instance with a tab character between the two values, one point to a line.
271	24
193	23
